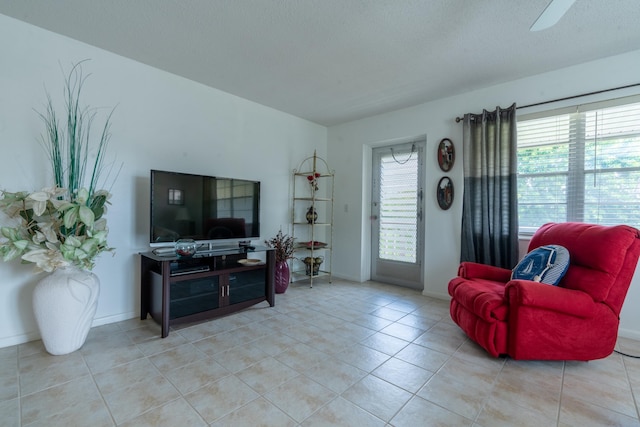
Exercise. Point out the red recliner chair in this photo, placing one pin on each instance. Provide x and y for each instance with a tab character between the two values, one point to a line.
576	320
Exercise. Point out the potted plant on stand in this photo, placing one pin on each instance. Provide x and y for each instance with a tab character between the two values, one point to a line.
283	245
62	229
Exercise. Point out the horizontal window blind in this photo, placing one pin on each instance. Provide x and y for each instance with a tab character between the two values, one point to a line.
398	206
580	166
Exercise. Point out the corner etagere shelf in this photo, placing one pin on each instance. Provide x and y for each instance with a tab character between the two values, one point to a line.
312	190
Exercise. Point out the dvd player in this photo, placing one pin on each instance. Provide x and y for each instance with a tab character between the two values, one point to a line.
165	251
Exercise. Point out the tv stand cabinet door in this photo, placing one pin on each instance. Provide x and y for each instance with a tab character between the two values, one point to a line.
247	285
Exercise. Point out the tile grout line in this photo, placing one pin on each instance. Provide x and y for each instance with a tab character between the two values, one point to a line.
95	383
633	394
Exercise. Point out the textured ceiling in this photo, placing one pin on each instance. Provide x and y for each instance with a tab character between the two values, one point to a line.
332	61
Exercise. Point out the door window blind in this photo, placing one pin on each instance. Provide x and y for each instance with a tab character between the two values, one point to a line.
399	206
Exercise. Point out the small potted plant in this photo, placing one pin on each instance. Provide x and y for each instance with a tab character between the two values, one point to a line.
283	245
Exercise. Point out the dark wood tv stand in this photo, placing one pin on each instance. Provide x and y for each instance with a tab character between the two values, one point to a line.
179	290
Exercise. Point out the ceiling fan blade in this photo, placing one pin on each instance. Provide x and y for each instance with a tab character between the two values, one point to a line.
551	14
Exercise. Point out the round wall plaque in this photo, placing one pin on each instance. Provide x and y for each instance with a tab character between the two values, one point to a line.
444	193
446	154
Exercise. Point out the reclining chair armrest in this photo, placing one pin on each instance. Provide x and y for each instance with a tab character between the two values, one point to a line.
548	297
474	270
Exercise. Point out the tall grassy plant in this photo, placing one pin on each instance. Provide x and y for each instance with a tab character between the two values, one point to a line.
68	146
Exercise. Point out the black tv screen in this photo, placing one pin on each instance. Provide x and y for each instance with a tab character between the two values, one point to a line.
203	208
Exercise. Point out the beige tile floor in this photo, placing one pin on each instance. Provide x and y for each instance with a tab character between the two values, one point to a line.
340	354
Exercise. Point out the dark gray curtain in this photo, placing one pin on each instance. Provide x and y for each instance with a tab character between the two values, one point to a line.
490	205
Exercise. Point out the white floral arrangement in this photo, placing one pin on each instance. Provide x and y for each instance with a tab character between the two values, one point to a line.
62	225
54	228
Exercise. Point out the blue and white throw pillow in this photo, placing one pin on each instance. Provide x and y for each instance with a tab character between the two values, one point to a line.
546	264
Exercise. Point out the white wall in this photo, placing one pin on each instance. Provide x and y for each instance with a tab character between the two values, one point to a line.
161	122
349	153
166	122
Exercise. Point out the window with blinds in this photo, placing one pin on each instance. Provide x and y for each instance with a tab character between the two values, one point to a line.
398	239
581	164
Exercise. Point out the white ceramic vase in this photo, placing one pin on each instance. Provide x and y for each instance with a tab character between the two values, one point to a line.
64	304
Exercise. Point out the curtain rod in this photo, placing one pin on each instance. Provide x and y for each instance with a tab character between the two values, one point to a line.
459	119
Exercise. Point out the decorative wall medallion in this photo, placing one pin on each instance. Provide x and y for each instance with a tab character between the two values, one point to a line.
446	154
444	193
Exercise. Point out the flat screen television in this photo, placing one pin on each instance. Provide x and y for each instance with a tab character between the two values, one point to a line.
204	208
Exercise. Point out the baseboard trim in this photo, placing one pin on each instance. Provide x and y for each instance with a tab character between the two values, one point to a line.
629	333
436	295
113	319
347	278
35	335
19	339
